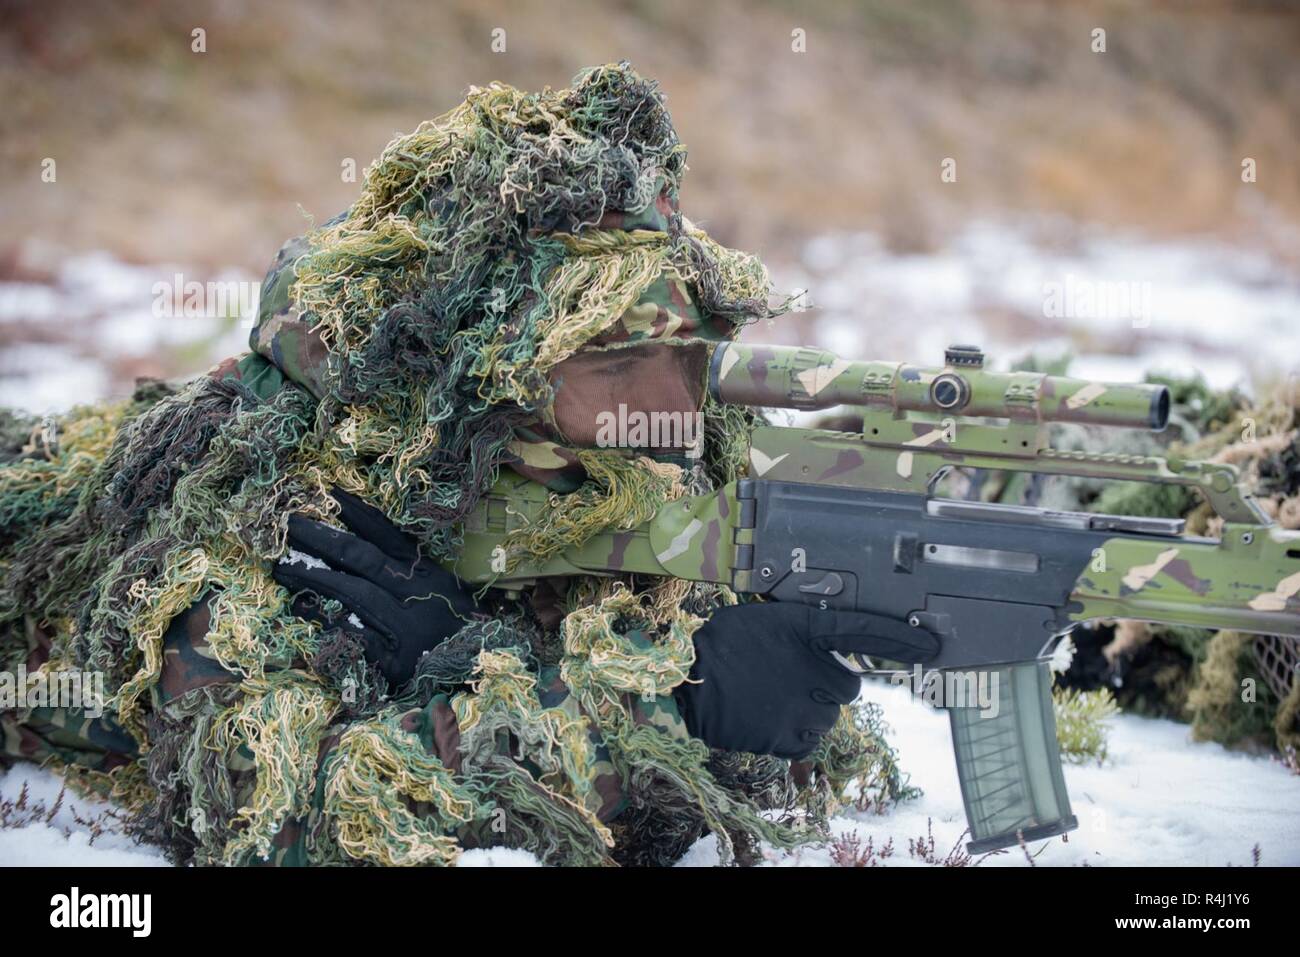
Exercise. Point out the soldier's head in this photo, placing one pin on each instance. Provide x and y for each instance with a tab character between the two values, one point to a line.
511	270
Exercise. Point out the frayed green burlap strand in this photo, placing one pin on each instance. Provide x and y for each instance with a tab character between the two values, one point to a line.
617	648
374	777
1216	703
278	723
449	667
551	808
621	492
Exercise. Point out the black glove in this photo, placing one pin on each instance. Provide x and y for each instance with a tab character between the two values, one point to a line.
768	682
405	605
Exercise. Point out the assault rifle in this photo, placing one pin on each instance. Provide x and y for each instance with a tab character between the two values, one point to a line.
999	584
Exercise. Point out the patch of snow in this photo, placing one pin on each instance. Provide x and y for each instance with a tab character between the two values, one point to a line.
1226	312
27	302
1063	655
45	378
497	857
1160	800
295	557
44	842
100	322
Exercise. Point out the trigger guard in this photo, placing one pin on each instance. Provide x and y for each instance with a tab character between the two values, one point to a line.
856	663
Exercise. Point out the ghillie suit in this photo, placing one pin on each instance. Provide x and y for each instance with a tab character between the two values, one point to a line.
509	269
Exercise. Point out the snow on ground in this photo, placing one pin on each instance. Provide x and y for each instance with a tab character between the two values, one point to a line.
498	857
1160	800
50	832
1121	304
86	330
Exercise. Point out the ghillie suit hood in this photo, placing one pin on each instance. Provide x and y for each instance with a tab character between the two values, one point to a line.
522	248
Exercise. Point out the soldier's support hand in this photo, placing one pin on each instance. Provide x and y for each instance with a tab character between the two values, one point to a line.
765	680
401	604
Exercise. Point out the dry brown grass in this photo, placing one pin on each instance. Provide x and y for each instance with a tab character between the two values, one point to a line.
205	158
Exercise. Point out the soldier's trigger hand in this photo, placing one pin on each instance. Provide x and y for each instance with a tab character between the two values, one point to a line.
864	633
764	679
401	605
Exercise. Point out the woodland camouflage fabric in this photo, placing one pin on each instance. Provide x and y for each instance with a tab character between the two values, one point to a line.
506	266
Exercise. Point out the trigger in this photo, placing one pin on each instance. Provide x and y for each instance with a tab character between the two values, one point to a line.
854	662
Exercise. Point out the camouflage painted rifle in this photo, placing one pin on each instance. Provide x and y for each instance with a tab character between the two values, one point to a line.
850	520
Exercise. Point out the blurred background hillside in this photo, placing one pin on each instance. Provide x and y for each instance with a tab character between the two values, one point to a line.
1072	165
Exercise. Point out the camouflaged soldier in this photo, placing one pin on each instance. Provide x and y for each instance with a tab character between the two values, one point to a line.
293	675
